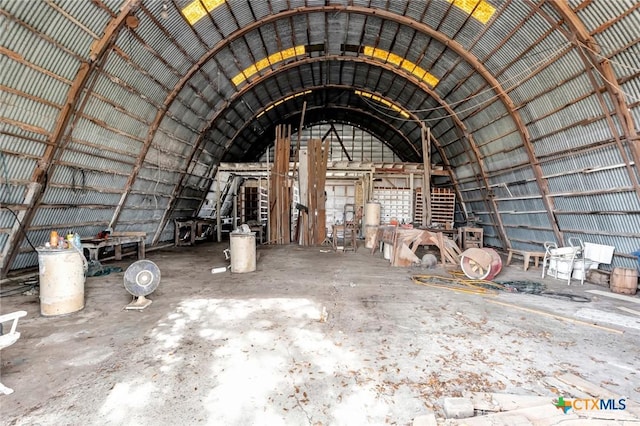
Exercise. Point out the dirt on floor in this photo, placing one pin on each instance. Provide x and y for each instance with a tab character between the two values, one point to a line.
313	337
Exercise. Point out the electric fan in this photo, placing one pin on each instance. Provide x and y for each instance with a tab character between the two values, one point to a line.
480	263
141	279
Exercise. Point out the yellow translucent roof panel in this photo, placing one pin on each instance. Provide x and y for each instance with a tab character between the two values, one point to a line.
479	9
384	102
405	64
195	11
394	59
288	98
261	64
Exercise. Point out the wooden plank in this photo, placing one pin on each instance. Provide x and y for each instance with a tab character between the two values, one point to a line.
311	193
584	385
558	317
218	208
545	414
608	317
426	184
491	401
288	188
129	234
631	311
321	180
597	391
615	296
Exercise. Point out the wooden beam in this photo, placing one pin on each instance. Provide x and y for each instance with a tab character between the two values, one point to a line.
425	135
344	149
218	208
589	48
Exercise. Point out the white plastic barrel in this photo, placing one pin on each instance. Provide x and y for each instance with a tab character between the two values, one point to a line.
387	251
370	235
372	214
61	274
243	251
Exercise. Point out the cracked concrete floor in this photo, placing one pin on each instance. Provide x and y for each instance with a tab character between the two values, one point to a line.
257	348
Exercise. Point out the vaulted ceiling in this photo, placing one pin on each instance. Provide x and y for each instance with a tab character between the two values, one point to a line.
116	113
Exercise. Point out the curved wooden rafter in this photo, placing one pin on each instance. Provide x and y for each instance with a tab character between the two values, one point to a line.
592	56
331	86
402	20
372	62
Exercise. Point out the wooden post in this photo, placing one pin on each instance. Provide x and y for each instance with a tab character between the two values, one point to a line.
370	194
426	184
268	196
218	212
280	189
411	204
303	181
286	211
235	211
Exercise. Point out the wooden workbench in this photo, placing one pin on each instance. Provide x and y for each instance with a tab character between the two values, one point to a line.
115	240
195	228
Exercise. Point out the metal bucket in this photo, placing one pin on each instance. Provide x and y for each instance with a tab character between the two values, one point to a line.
372	214
243	252
61	273
370	235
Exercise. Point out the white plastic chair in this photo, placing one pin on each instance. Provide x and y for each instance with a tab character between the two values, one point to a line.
560	260
8	339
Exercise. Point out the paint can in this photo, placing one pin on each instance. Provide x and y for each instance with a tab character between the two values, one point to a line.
61	274
624	280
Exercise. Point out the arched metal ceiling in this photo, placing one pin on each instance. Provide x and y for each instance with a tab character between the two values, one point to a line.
116	113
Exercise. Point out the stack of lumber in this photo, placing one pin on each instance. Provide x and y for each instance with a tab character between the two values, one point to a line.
313	225
280	189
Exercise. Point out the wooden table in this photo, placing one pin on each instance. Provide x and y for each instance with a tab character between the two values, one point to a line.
195	226
115	240
527	255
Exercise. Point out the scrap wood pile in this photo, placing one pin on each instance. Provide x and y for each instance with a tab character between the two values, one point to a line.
489	408
406	241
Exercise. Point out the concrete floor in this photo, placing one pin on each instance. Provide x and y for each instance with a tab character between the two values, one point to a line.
258	348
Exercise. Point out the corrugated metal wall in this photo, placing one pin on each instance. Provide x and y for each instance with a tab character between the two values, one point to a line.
537	136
